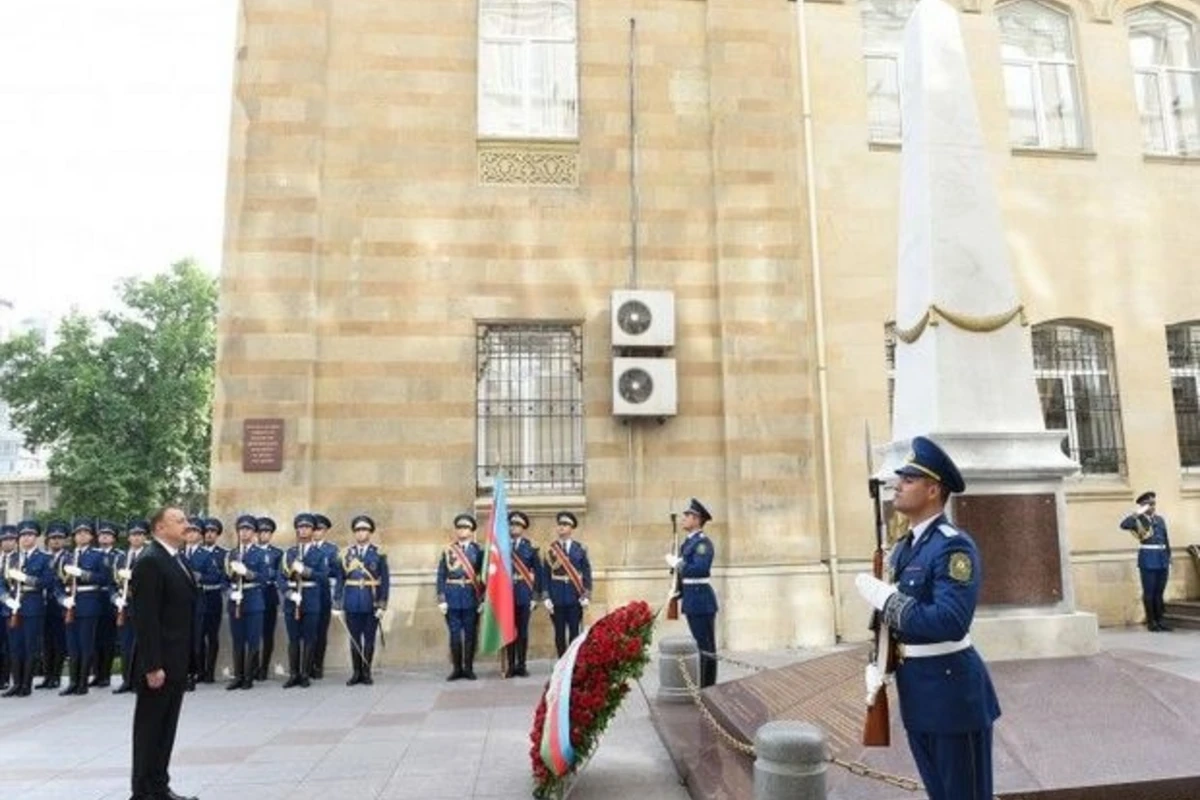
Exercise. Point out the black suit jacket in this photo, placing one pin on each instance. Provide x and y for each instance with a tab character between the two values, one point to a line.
163	597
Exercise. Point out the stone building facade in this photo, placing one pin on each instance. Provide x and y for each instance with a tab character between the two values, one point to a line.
429	206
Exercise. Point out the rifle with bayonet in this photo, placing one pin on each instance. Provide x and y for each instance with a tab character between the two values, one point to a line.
878	727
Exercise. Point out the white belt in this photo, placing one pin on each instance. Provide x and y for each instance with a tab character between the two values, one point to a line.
1154	547
938	649
212	587
87	589
696	581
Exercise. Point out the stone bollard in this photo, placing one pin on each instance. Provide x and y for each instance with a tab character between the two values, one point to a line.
671	687
790	759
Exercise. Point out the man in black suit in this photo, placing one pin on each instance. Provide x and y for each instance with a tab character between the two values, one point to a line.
163	594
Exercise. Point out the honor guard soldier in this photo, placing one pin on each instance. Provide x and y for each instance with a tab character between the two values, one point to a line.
106	625
26	576
362	595
83	593
212	587
567	575
54	641
458	592
527	585
8	546
196	558
946	697
693	573
266	529
302	572
320	531
247	570
1154	556
123	564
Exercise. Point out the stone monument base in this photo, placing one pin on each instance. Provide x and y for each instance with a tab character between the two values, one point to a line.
1101	727
1035	634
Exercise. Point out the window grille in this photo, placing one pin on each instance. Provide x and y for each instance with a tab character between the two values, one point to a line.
1183	357
1074	368
529	412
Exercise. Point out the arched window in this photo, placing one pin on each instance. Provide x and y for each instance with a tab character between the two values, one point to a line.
883	24
1166	76
1040	76
528	69
1076	379
1183	357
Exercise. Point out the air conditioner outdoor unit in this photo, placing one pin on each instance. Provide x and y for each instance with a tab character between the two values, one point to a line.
644	387
643	318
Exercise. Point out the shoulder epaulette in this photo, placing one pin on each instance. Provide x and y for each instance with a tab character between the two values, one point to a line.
948	530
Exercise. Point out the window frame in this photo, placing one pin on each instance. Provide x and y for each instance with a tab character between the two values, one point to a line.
1034	66
526	43
1161	75
1187	372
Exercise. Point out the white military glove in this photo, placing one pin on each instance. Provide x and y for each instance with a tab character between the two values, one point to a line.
672	560
298	567
235	596
479	608
120	603
583	602
16	575
875	681
533	605
72	570
337	612
1143	509
294	597
549	604
239	568
12	603
379	612
125	574
873	590
444	607
68	602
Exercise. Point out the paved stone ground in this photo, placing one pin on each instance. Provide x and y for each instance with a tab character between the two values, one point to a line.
411	735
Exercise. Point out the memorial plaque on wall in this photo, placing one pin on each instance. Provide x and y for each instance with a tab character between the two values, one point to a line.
1017	536
262	445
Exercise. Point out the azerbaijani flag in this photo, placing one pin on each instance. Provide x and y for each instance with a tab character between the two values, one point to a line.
499	614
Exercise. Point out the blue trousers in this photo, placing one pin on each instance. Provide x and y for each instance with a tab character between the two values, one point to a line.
704	631
303	630
566	625
954	766
1154	586
362	630
461	623
25	640
270	617
54	641
246	630
81	640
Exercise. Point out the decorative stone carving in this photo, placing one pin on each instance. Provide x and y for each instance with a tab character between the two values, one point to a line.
528	164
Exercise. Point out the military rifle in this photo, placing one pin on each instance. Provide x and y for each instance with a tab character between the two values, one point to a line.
673	603
14	620
878	727
124	596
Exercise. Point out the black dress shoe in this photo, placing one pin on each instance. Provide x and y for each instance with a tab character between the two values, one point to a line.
170	795
124	688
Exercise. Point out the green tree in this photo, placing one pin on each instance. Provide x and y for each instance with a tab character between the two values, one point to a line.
124	402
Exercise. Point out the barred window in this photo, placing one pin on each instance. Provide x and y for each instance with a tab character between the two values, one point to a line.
529	414
1183	356
883	24
1166	74
1040	76
1076	380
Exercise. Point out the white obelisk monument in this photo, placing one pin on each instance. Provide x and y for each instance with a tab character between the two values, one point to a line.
964	365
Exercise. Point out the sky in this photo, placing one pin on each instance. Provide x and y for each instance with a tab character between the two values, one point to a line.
114	129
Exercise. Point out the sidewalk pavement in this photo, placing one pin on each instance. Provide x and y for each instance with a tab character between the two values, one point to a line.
411	735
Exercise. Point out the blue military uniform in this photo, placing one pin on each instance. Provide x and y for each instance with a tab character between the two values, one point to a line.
209	580
946	697
247	602
693	575
122	594
459	586
26	575
362	595
84	596
567	577
527	587
54	633
106	624
266	525
334	565
212	587
1154	558
301	619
